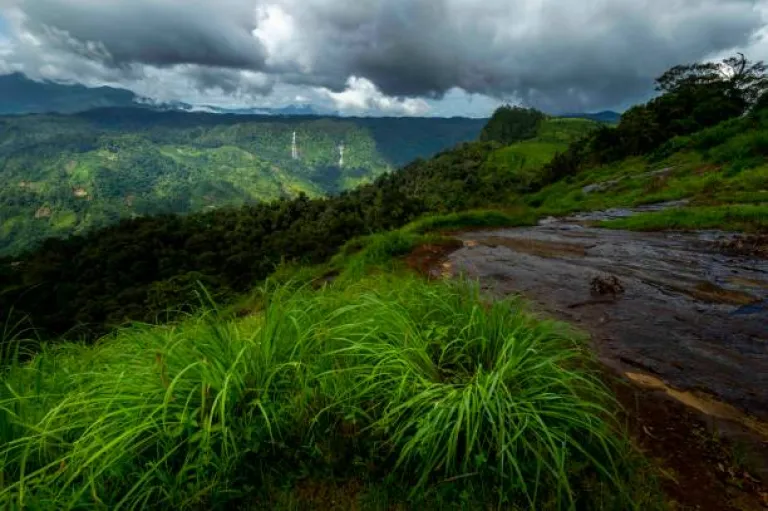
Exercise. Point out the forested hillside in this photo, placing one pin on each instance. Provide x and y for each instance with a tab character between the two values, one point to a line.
67	175
141	268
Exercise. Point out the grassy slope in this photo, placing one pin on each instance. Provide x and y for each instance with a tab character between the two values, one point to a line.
526	158
421	383
722	171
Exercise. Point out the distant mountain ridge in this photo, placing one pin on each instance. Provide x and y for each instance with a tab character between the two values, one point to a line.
290	110
21	95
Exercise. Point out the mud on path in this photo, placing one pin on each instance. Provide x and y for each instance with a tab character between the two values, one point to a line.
688	332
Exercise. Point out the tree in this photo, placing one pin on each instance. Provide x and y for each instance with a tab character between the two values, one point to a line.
736	79
510	124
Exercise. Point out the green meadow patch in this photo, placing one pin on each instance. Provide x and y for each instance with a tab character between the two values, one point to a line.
749	218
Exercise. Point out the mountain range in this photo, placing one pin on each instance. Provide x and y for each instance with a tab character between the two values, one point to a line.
21	95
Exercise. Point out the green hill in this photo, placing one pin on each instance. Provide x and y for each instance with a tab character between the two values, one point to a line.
67	175
524	159
141	268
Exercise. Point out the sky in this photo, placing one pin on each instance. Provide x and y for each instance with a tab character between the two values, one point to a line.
377	57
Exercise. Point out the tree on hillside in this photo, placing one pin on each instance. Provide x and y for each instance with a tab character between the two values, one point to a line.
736	76
692	97
510	124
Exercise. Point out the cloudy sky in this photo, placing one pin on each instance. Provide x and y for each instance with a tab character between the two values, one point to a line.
377	57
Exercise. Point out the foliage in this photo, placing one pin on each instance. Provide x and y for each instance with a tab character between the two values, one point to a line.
423	380
72	174
146	268
510	124
721	165
468	219
693	97
524	160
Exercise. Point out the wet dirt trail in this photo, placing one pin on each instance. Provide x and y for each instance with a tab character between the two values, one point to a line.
690	326
689	315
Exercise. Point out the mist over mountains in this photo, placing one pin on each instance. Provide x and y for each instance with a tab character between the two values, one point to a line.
21	95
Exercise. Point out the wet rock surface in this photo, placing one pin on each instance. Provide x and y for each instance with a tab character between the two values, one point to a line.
688	314
615	213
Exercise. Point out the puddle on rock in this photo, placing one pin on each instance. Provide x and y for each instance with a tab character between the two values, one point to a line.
712	293
536	247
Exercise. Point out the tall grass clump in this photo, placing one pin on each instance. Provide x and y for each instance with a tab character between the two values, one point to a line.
426	381
461	389
152	415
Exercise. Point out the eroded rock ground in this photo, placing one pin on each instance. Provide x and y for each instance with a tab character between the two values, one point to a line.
689	316
687	327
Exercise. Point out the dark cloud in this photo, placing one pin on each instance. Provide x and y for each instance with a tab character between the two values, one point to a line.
158	32
558	54
230	81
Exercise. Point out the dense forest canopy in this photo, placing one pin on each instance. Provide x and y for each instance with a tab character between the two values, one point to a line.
70	174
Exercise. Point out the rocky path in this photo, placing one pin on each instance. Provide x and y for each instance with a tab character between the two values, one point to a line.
691	319
684	322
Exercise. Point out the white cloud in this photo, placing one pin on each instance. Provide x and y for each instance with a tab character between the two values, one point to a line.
278	33
362	96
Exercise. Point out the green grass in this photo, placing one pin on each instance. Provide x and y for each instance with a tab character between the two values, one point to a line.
525	159
381	251
472	219
424	381
64	220
722	171
748	218
564	130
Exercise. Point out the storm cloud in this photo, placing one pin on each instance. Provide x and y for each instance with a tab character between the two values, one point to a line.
380	55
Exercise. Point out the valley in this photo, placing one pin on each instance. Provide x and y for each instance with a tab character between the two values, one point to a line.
69	175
